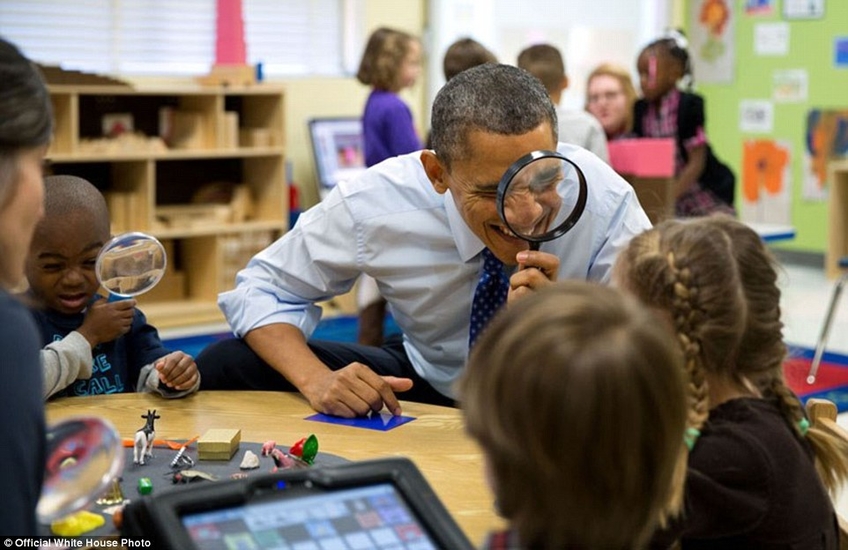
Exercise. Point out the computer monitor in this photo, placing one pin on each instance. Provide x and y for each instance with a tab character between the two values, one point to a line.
338	147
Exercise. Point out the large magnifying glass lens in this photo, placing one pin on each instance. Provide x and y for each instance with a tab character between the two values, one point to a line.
541	197
131	264
84	455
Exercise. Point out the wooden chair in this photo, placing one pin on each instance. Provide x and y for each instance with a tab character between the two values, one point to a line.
822	414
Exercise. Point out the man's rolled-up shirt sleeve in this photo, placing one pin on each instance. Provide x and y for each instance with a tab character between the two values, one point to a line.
313	262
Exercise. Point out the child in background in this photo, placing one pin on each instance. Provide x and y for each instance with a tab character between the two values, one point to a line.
575	126
460	56
464	54
91	346
752	479
703	184
391	62
598	460
610	96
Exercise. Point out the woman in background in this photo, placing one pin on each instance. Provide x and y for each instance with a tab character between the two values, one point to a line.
610	96
26	127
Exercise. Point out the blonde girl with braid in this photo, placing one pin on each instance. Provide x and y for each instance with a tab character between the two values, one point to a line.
751	480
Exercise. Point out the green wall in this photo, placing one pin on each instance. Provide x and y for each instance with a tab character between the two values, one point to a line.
811	47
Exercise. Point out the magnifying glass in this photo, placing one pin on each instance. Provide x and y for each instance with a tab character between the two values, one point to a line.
84	455
541	196
130	264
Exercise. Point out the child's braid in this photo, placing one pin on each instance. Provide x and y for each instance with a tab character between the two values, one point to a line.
686	315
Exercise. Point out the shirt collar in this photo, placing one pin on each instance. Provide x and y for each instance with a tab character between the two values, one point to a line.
467	243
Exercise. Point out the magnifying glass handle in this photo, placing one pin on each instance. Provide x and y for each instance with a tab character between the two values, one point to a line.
534	245
115	297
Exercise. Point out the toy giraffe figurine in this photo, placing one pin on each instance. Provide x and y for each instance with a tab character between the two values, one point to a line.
144	438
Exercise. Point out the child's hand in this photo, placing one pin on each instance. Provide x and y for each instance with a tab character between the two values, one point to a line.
105	321
177	370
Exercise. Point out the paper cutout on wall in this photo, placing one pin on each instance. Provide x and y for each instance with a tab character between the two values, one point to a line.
759	7
790	85
712	43
766	181
826	139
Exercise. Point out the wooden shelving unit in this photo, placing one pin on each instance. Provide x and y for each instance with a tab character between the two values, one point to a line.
214	138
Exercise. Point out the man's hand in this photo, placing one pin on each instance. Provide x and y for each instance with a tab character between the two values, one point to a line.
177	370
355	390
536	269
105	321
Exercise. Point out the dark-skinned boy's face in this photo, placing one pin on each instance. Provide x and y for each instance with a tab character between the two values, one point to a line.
60	266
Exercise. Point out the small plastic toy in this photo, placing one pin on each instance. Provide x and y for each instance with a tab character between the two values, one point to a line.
268	446
77	524
114	495
282	460
187	476
181	460
306	449
145	486
144	438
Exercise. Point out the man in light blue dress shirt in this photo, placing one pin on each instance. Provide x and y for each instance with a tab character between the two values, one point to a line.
417	224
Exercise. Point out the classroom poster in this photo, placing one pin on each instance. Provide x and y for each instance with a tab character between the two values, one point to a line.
766	181
756	116
826	139
759	7
712	43
771	39
790	86
840	52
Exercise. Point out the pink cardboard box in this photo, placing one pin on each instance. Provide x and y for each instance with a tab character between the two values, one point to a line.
644	157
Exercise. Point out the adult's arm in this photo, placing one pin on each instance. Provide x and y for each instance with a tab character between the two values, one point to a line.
352	391
273	307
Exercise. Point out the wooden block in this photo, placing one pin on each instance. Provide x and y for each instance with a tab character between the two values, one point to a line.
218	444
231	130
187	131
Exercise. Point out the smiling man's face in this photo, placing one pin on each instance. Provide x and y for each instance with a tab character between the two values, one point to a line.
473	183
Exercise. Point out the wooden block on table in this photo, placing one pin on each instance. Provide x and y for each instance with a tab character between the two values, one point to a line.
218	444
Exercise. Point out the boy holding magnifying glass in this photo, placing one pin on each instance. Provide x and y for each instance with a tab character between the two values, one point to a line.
92	346
425	226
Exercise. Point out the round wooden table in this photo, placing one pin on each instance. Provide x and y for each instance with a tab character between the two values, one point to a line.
435	440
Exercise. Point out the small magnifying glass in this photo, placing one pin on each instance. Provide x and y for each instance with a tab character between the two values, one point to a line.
84	456
130	264
541	196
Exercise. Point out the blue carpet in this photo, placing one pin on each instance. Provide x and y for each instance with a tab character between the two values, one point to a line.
336	329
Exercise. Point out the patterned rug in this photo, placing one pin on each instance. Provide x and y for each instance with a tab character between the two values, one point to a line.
831	380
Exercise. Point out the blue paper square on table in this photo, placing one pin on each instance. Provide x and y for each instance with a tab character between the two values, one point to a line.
382	421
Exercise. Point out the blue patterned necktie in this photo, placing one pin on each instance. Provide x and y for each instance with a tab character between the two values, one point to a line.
489	296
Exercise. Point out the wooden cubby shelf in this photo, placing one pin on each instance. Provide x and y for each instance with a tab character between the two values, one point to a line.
202	169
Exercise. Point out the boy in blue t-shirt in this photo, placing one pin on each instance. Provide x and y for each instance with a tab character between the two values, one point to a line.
91	346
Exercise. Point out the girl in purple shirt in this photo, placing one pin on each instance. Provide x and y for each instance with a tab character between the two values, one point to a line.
391	62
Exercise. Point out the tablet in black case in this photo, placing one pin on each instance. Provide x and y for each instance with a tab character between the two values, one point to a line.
383	503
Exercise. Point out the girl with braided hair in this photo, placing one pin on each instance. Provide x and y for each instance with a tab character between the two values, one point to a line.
752	480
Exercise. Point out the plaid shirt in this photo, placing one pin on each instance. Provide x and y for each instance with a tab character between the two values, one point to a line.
660	121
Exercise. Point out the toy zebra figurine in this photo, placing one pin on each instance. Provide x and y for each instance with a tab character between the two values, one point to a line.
144	438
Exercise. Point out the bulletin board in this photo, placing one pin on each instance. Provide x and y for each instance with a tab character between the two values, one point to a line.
775	90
